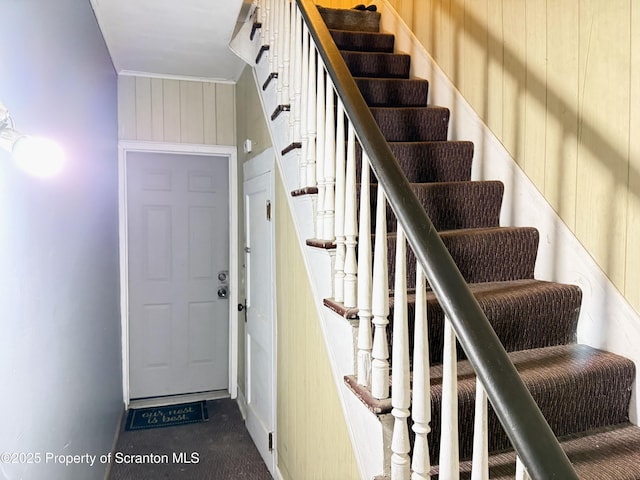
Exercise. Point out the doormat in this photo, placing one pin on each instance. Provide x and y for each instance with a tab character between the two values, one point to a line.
167	416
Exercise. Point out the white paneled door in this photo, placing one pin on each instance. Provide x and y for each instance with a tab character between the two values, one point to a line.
178	263
260	333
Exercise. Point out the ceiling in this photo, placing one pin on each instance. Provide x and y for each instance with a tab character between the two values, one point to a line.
173	39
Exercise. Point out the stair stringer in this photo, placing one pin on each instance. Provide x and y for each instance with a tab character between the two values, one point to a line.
365	429
607	321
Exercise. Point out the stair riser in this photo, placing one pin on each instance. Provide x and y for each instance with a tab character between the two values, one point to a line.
385	93
495	255
429	161
522	320
363	42
413	124
579	403
453	206
378	65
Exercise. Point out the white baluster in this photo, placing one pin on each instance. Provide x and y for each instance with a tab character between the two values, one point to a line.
320	146
273	50
286	51
280	41
350	222
449	456
400	395
291	66
480	461
421	405
521	470
328	227
380	303
262	18
296	72
364	279
266	25
311	118
303	102
338	276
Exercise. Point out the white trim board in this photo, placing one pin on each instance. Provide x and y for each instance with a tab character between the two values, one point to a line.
230	152
607	321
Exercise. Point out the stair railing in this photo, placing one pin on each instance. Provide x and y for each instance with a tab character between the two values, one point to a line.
315	81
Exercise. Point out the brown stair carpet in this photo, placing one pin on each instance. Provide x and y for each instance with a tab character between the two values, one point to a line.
383	92
583	392
481	254
363	41
388	65
412	124
425	162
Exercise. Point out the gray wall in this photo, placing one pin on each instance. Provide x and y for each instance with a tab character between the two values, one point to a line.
60	352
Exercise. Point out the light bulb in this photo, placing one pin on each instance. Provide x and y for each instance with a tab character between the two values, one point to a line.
38	156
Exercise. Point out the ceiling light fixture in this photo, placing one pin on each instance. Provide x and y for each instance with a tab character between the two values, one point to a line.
38	156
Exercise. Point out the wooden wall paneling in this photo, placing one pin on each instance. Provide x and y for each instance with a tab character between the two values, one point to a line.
475	61
313	415
143	109
444	47
495	68
562	108
536	92
405	9
632	273
225	112
126	107
603	150
209	113
423	21
171	110
514	31
191	112
157	109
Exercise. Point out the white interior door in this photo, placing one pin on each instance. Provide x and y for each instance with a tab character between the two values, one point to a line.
260	327
178	253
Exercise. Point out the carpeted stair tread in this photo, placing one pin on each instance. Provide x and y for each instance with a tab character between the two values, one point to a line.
577	387
457	205
363	41
525	314
481	254
382	92
430	161
377	64
412	124
607	453
356	20
450	205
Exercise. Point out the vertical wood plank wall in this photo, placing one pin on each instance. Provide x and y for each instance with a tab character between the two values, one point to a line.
312	441
558	82
176	111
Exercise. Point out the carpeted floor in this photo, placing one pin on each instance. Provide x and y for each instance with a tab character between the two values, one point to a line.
219	449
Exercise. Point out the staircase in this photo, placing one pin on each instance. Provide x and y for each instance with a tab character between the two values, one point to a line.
583	392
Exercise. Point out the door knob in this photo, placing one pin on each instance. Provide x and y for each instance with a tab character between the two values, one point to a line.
223	292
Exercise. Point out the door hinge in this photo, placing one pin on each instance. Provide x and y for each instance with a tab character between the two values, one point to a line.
270	441
268	210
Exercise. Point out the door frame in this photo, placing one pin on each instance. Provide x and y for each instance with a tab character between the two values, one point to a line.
230	152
